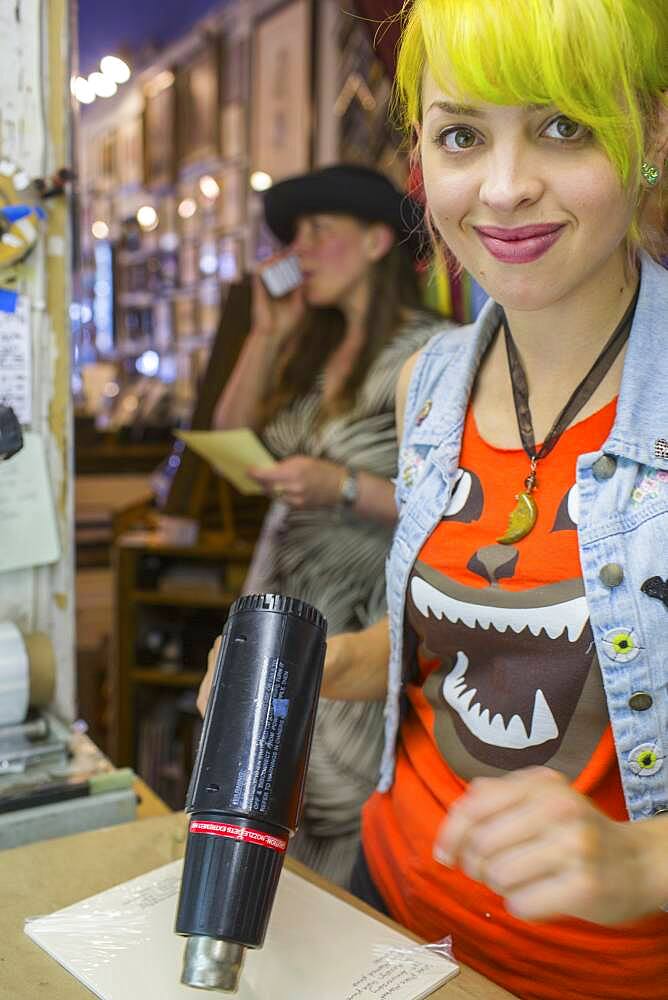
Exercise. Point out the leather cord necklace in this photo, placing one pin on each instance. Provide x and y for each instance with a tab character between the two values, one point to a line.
523	516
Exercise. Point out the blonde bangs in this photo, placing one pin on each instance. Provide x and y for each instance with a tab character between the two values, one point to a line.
601	62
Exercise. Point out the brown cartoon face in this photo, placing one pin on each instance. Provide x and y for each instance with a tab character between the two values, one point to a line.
514	669
504	657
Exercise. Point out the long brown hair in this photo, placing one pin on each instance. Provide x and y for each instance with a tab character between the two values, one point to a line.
394	290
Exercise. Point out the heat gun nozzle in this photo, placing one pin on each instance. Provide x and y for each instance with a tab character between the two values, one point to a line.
212	964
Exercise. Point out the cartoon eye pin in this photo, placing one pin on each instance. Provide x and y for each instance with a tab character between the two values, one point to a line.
645	759
621	644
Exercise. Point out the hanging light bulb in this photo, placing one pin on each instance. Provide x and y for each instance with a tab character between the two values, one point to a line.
103	85
187	208
83	91
116	69
209	187
100	229
147	217
260	181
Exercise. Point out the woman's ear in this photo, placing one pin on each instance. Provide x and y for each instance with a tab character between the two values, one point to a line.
379	240
657	154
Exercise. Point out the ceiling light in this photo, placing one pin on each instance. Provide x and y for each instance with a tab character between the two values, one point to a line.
147	217
209	187
103	85
187	208
83	91
148	363
100	229
116	69
260	181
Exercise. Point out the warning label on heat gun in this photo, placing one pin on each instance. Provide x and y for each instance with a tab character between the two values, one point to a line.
259	777
242	833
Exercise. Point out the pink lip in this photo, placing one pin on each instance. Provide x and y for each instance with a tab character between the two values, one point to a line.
521	245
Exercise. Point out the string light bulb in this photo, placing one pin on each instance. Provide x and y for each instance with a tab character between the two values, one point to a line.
116	69
209	187
83	91
103	85
100	229
187	208
260	181
147	217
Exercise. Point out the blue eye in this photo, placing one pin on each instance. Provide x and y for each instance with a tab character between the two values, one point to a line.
565	129
457	138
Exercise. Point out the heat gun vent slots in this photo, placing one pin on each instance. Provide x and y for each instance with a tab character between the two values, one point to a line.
279	603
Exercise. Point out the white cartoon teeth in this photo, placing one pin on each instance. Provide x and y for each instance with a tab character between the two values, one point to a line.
570	616
477	719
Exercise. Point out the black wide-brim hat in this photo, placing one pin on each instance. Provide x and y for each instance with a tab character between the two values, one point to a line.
345	189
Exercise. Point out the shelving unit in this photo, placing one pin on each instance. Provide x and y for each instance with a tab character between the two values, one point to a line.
135	597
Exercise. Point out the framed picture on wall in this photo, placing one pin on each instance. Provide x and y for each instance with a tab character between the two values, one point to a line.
106	179
130	153
281	91
159	130
235	86
232	200
198	102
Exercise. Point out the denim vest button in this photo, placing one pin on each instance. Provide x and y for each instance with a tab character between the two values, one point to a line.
611	575
604	467
640	701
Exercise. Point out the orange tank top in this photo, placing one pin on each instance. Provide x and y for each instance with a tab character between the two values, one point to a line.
502	674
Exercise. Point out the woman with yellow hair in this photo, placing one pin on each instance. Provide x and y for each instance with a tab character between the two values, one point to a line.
523	802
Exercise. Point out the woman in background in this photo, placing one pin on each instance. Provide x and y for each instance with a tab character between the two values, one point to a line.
317	378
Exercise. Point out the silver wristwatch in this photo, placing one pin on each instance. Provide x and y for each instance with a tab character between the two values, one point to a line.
349	491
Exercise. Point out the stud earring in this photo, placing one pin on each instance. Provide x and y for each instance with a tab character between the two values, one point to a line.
650	173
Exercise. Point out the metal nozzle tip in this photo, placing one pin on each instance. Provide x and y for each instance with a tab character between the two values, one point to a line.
211	964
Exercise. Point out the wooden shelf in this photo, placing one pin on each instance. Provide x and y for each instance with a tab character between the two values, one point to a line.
186	598
211	545
163	678
133	605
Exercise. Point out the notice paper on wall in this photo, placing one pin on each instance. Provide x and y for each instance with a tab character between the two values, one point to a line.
27	512
121	944
16	360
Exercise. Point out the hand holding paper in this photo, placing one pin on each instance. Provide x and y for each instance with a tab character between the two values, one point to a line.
303	482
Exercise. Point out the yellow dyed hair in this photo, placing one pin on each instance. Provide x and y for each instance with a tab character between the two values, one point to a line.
603	63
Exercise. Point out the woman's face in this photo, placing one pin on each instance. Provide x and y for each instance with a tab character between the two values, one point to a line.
334	257
523	197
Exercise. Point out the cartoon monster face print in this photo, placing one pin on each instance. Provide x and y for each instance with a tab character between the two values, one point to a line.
512	667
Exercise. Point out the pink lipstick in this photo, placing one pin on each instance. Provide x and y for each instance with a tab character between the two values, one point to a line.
521	245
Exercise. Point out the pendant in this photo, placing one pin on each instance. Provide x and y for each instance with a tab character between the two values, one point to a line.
522	519
524	514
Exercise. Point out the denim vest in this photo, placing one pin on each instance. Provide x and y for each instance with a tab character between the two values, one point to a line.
623	521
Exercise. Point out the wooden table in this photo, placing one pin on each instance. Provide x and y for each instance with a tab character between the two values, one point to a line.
47	876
